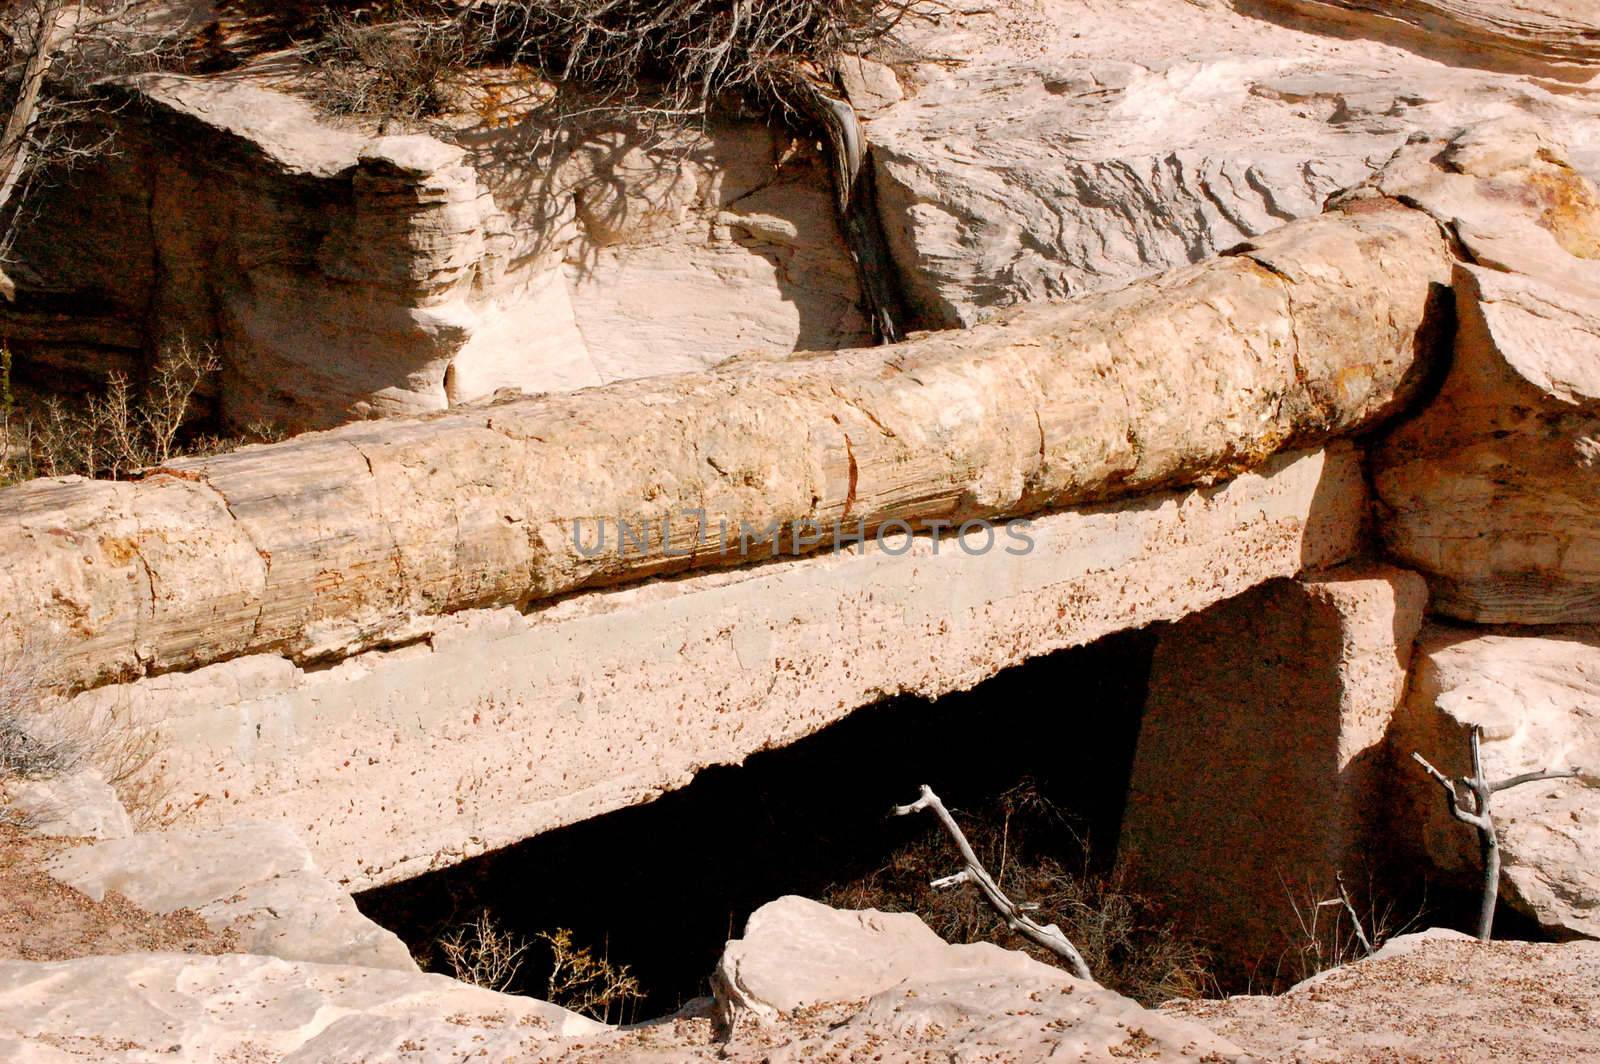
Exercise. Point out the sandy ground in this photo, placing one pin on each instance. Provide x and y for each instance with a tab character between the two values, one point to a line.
43	920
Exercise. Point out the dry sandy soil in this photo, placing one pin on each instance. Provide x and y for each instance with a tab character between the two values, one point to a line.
45	920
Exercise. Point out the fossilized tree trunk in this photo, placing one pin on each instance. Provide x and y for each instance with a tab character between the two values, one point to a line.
341	540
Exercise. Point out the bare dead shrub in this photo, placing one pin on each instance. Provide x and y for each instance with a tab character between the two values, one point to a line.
483	953
42	736
28	751
1334	928
587	984
400	68
1035	854
674	60
112	434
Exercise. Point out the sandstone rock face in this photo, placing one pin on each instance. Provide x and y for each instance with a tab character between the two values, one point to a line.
344	276
143	1007
969	1001
1078	144
1537	698
1536	34
495	725
331	542
1260	759
1430	996
1491	489
80	804
258	879
666	258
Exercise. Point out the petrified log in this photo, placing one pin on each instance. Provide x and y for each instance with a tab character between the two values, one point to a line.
339	540
1537	33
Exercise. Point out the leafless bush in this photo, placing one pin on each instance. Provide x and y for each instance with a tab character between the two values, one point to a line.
42	739
1034	854
53	54
112	434
27	750
673	60
484	954
1332	928
587	984
399	69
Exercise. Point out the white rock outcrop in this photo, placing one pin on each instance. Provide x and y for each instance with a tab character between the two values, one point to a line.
797	952
79	804
1536	694
342	275
970	1002
1491	489
1435	996
144	1007
1077	144
257	879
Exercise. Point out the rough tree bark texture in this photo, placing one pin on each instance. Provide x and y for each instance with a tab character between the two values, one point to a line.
856	202
14	154
341	540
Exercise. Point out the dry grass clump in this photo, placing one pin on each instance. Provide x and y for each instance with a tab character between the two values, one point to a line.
1036	856
40	739
26	751
396	69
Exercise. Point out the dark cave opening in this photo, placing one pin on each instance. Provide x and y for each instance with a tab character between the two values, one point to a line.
662	886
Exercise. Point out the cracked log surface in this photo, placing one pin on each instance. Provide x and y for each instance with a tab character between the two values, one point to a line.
334	542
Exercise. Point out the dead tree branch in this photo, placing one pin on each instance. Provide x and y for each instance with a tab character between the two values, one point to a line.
1469	803
1355	918
1048	935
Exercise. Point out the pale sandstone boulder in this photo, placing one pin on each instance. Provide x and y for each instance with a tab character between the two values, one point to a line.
339	275
797	952
1078	144
971	1002
80	804
1537	698
330	542
171	1007
258	879
1490	490
1259	769
1433	996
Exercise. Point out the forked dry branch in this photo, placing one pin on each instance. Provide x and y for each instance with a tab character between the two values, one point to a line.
1047	935
1479	789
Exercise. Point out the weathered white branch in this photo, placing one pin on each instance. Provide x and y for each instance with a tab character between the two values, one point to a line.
1048	935
1482	789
